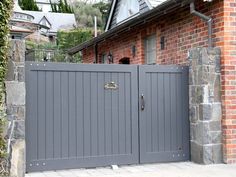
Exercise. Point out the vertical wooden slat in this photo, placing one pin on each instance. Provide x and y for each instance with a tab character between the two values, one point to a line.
72	114
134	115
167	111
121	107
64	114
115	116
128	113
154	105
79	114
173	111
108	116
101	115
41	115
87	113
57	114
185	126
32	116
94	116
49	115
161	116
148	108
179	111
142	83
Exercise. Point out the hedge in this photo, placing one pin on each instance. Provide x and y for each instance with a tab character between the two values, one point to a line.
5	12
68	39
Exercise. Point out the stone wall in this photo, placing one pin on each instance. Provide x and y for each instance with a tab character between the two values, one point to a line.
205	105
15	103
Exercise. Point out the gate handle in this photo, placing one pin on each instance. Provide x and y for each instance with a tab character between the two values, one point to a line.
142	102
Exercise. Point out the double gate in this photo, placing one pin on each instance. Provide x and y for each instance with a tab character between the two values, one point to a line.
81	115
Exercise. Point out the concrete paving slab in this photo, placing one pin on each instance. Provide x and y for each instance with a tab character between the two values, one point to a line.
183	169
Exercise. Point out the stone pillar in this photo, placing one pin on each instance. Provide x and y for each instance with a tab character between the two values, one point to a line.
15	103
205	105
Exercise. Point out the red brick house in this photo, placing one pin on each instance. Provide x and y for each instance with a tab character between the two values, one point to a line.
163	32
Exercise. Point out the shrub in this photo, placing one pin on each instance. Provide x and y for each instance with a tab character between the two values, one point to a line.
5	12
68	39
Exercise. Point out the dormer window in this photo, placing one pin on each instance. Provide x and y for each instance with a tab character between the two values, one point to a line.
44	21
127	9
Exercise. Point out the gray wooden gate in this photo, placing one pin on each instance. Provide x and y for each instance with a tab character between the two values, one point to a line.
81	115
164	125
73	121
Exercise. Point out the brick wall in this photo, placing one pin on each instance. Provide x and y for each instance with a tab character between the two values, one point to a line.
183	31
229	81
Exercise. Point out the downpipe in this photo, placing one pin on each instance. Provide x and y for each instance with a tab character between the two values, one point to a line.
205	18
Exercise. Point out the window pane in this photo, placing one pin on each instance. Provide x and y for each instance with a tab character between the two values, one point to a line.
127	9
150	49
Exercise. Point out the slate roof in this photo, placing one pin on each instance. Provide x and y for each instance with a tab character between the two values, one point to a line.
58	21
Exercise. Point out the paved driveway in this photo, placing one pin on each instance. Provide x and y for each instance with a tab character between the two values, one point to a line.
186	169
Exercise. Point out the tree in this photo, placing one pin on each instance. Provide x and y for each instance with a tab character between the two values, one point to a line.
28	5
84	14
85	11
104	8
62	7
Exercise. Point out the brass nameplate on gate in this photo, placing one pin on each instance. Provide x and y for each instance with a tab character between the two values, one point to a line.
111	86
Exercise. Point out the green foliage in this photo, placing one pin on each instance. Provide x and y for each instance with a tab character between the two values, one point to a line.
5	12
43	45
84	14
68	39
58	52
28	5
65	40
62	7
103	8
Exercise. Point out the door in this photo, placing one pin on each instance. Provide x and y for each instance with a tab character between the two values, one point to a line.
163	105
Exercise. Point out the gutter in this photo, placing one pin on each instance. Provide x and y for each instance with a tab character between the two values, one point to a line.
205	18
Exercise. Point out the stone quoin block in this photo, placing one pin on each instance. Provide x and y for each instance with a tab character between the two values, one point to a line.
15	93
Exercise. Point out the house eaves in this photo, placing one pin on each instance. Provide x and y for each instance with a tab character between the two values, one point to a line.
16	29
156	12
